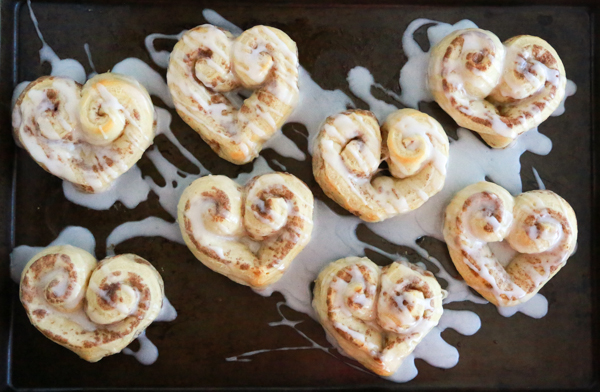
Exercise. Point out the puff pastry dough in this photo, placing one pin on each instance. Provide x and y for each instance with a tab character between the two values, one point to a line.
250	234
86	135
539	225
92	308
209	65
349	149
499	90
377	315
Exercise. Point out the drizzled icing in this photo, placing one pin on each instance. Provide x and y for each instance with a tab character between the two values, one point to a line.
570	89
160	58
148	227
147	354
313	345
538	179
88	53
335	236
68	68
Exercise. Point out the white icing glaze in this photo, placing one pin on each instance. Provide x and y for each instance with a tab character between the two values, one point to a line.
315	105
538	179
167	311
88	53
285	147
149	227
360	81
130	189
147	354
570	90
67	67
160	58
283	322
536	307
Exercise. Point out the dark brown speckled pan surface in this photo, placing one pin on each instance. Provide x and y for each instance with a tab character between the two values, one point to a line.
218	318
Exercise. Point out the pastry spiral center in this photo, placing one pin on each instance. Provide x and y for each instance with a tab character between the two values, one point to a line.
356	288
539	232
404	306
111	302
252	60
358	159
409	146
267	217
216	212
525	75
488	219
103	116
62	286
476	64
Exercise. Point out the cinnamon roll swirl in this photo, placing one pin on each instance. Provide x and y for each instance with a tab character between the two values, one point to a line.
498	90
540	226
209	65
93	309
88	135
349	149
250	234
377	315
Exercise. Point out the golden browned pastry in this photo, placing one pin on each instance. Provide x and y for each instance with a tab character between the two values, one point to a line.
349	149
377	315
92	308
86	135
539	226
498	90
250	234
209	65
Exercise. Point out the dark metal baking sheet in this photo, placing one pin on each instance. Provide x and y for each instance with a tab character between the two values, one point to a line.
218	318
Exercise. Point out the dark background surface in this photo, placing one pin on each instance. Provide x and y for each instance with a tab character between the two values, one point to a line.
218	318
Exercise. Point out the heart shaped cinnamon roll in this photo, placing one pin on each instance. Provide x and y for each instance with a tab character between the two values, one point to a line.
92	308
350	147
209	65
498	90
86	135
250	234
539	226
377	315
